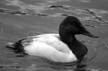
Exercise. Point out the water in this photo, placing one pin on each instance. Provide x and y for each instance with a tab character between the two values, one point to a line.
95	4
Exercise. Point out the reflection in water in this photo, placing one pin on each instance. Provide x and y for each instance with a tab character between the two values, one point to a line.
52	66
35	67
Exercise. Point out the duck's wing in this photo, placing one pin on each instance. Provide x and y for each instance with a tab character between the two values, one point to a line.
54	41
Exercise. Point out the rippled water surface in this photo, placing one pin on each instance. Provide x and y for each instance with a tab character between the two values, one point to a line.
14	27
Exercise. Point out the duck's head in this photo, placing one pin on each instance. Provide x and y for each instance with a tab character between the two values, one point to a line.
72	26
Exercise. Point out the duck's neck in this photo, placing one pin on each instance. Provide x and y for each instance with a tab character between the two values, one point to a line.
76	47
68	39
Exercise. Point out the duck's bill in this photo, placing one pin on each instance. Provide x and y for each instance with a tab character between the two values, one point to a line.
90	35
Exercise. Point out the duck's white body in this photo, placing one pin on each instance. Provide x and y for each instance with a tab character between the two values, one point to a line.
49	46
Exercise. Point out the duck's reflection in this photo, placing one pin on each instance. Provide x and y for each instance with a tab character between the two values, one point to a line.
47	65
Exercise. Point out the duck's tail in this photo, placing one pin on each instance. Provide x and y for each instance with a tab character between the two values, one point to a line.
17	47
10	45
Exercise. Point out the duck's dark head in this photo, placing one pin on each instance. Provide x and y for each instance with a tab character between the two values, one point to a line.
72	26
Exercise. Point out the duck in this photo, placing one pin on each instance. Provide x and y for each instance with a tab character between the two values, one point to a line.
61	47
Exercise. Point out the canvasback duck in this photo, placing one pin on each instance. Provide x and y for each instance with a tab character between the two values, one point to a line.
63	47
